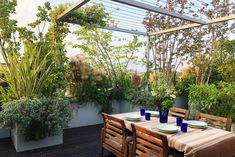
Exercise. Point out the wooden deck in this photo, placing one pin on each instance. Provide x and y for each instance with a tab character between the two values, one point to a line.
78	142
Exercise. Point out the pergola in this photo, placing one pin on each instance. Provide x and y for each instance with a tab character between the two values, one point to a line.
129	10
130	14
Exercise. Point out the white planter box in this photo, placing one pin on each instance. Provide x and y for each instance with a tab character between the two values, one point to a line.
22	145
85	115
121	107
89	113
4	133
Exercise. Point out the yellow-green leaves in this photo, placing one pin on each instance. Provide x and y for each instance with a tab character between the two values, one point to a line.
27	74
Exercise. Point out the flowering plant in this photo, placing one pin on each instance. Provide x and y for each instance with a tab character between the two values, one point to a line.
163	93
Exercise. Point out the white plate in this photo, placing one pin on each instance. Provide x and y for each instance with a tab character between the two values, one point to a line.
197	124
166	128
153	113
133	117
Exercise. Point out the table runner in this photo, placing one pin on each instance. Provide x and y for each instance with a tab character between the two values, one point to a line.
191	142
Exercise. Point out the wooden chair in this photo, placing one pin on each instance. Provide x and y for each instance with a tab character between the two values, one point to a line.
114	137
179	112
149	144
216	121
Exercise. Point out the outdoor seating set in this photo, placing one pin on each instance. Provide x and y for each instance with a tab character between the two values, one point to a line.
126	137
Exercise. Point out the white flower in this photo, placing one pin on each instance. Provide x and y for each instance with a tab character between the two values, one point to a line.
153	93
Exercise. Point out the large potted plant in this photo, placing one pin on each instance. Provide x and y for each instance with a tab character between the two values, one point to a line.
37	122
36	118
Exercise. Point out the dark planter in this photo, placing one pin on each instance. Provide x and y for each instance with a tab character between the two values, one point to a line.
181	102
163	116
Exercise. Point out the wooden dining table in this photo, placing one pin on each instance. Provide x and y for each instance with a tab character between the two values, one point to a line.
209	142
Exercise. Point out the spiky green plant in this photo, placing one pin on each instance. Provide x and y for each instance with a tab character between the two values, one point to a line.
27	74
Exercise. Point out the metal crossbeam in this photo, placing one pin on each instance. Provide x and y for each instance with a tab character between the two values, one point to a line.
112	28
71	9
148	7
217	20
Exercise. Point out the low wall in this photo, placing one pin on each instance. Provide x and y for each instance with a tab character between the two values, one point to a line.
89	113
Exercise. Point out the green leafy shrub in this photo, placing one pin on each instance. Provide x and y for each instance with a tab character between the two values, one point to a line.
183	85
225	105
161	90
26	75
202	97
36	118
167	104
226	71
213	99
141	98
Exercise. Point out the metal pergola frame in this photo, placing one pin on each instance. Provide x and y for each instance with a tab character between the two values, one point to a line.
140	5
135	4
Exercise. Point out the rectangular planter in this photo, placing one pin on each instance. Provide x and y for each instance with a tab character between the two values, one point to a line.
85	115
22	145
4	133
89	113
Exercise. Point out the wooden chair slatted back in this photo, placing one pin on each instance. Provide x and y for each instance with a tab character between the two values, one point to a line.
114	132
179	112
148	143
216	121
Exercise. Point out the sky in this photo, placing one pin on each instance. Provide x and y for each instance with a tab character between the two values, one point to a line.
26	12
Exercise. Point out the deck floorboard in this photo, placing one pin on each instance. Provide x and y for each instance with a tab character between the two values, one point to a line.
78	142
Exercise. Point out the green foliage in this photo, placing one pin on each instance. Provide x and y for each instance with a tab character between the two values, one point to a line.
161	91
90	16
226	50
123	85
183	85
107	52
40	71
6	95
53	41
226	71
225	105
202	96
7	25
36	118
142	98
217	100
89	84
27	75
225	62
167	104
50	43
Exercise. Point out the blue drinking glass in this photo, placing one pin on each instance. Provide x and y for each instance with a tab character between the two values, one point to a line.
184	127
179	121
142	112
147	116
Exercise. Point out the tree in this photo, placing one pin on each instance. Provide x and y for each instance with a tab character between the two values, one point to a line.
170	50
105	53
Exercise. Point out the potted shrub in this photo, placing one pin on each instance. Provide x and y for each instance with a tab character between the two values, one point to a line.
36	123
35	117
